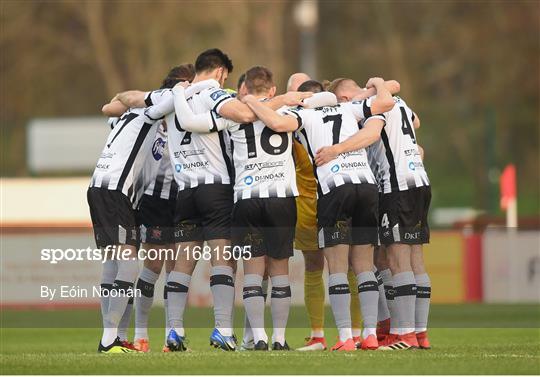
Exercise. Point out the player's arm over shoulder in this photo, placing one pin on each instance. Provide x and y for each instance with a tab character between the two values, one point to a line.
272	119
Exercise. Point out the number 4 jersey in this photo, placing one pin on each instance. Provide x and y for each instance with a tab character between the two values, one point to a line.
263	162
398	153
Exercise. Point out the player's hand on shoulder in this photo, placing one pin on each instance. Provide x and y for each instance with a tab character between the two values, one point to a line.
326	154
372	82
296	98
248	98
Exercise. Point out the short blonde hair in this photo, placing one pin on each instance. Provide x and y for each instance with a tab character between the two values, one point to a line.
333	86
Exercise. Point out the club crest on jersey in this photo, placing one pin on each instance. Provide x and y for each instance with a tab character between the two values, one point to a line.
158	149
217	94
248	180
335	168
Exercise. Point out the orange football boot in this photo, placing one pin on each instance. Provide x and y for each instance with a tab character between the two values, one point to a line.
423	341
348	345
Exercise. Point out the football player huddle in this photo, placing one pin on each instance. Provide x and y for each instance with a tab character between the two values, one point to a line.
244	177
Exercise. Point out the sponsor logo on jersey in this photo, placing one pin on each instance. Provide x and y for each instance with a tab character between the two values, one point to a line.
217	94
414	165
353	153
102	166
264	165
195	165
178	168
248	180
188	153
335	168
354	165
158	148
107	155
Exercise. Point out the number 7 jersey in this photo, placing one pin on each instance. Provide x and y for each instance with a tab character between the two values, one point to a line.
398	152
263	162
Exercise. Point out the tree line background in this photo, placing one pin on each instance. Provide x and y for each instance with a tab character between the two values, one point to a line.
469	69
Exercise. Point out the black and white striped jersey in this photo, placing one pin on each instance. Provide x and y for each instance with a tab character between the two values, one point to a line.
263	162
331	125
159	179
401	159
376	163
121	162
200	159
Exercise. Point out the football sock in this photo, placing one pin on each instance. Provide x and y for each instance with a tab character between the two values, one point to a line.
356	316
222	287
143	304
404	301
127	273
314	300
110	269
166	306
125	321
248	334
280	303
177	293
423	298
254	305
388	284
340	300
382	313
368	292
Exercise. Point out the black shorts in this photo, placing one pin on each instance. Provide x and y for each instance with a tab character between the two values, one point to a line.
113	218
404	216
266	225
155	218
348	215
203	213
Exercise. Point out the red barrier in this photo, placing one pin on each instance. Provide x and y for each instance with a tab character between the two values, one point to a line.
472	267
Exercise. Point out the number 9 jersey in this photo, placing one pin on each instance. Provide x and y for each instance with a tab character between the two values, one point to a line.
263	162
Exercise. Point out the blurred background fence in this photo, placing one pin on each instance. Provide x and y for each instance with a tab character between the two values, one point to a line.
469	69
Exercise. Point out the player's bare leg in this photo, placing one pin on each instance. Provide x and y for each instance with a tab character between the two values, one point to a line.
337	258
280	301
176	291
253	298
222	287
399	258
423	295
384	280
368	292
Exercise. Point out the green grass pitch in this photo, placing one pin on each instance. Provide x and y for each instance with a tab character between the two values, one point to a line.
467	339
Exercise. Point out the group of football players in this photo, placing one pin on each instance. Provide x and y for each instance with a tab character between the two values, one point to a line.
331	169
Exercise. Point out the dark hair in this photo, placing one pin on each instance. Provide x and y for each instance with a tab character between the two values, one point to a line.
241	80
184	72
259	80
211	59
311	86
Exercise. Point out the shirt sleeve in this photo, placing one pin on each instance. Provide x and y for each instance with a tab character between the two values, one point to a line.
360	109
214	98
162	104
300	115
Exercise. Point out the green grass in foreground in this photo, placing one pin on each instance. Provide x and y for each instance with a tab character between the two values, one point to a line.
458	348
